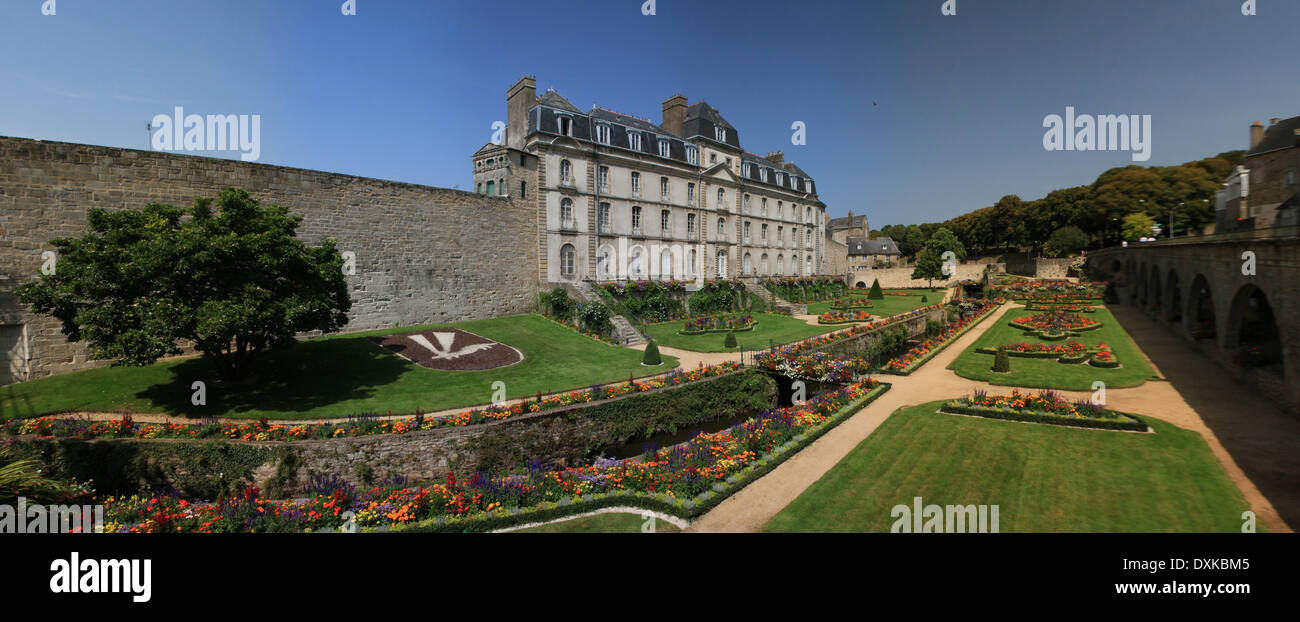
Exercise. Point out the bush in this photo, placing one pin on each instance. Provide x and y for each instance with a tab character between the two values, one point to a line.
594	317
875	292
924	299
730	341
651	356
1002	362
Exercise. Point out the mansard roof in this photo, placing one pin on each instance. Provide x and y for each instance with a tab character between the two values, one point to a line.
629	121
1281	135
555	100
878	246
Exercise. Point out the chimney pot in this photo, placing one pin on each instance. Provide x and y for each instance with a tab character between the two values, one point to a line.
674	114
1256	134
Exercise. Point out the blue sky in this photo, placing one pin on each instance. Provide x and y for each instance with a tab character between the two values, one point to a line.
407	90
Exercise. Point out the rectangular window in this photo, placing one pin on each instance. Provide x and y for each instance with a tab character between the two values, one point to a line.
634	141
664	149
566	126
747	232
602	217
690	193
744	169
780	237
762	174
690	225
602	134
664	229
745	202
636	220
764	233
692	155
636	184
764	207
663	189
523	188
604	179
720	133
722	199
780	179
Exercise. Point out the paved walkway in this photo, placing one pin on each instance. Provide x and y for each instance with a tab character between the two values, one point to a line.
1265	440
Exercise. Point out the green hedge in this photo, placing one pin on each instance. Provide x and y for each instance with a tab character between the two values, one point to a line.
1133	424
658	502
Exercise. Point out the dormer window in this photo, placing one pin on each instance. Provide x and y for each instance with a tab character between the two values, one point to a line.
794	182
566	126
780	179
762	174
744	169
720	133
692	155
634	141
602	134
663	149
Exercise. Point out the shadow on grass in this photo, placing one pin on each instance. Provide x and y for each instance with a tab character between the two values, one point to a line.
306	376
1260	437
12	398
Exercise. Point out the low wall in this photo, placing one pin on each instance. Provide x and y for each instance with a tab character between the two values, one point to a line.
207	468
901	278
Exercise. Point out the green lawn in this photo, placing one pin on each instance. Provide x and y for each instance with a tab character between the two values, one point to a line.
602	523
1043	478
1048	373
772	328
338	376
890	305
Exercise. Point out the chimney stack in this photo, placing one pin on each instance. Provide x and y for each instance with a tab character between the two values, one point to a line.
1256	134
776	157
519	100
674	114
1274	121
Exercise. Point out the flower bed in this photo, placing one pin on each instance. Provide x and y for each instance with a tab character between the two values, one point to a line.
1069	307
1072	352
1055	324
1049	290
683	480
718	324
851	303
1043	407
363	425
909	361
819	366
841	317
1104	358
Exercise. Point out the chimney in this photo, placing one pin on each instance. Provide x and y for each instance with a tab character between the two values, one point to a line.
674	114
519	100
1274	121
776	157
1256	134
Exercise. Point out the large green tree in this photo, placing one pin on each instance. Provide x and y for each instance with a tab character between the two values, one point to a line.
233	281
1137	225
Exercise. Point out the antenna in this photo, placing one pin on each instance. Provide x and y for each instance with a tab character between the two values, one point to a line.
148	130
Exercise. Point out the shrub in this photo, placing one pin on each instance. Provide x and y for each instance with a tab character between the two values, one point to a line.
731	340
1002	362
875	292
651	356
924	299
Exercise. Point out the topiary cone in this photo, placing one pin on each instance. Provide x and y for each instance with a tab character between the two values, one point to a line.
1002	361
651	356
730	342
875	292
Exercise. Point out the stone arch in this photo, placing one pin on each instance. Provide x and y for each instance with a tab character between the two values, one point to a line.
1252	330
1140	278
605	262
1199	312
861	285
1173	301
1155	297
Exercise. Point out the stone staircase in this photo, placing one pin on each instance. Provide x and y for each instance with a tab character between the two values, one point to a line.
784	306
624	332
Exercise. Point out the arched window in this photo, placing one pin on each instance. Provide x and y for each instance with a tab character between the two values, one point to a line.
690	263
794	266
762	265
566	214
808	266
780	264
636	263
722	228
605	262
722	198
722	264
749	265
566	172
568	254
491	187
665	264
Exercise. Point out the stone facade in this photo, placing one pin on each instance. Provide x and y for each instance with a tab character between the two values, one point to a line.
416	262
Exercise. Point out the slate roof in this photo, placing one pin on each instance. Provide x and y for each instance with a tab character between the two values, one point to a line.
627	120
843	223
555	100
1280	135
878	246
702	110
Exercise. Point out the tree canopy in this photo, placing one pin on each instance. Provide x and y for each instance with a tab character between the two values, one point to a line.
233	281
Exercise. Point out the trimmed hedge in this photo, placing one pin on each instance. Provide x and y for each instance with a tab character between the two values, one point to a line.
935	352
712	331
1134	424
658	502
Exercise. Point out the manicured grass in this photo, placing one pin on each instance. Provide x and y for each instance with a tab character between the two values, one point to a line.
1047	373
890	305
602	523
338	376
771	327
1043	478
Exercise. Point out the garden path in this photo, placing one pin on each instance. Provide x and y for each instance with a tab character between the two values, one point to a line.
1265	440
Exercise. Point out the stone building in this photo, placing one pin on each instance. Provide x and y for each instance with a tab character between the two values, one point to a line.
1265	191
621	197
